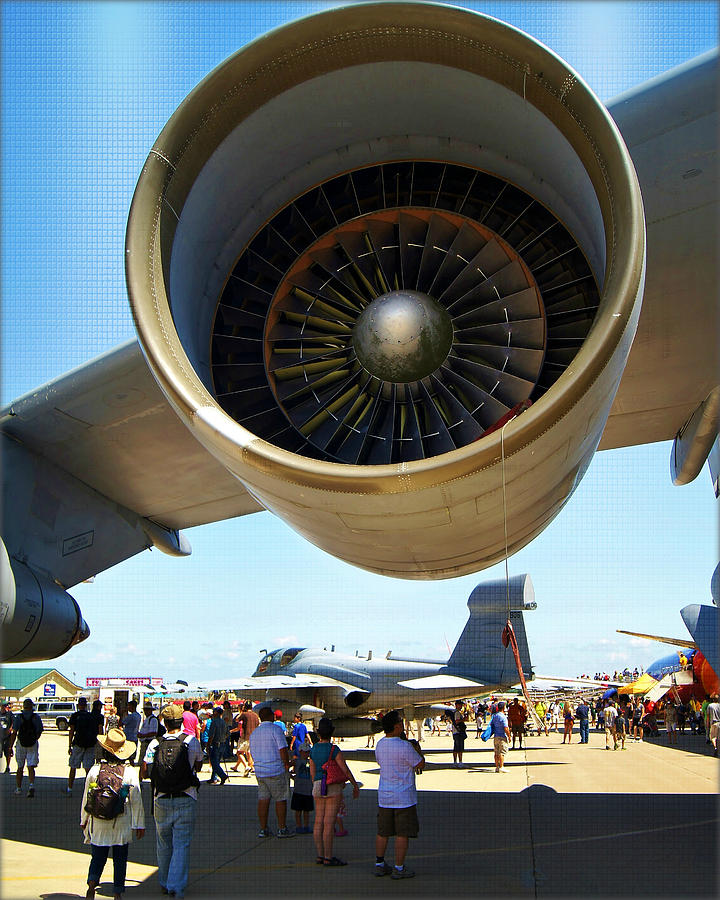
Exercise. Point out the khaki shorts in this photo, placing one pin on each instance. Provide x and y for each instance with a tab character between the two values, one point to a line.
29	755
501	744
333	790
82	756
275	787
402	822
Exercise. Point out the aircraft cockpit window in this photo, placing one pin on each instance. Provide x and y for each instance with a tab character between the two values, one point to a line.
289	655
265	662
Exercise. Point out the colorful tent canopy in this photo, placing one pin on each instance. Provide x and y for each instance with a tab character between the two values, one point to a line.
641	686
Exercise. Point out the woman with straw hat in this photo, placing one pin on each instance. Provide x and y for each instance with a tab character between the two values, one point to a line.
102	834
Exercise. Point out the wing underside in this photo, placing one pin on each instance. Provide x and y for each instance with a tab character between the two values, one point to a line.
259	687
109	425
432	682
670	126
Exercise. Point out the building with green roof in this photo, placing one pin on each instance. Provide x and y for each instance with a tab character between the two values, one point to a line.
19	682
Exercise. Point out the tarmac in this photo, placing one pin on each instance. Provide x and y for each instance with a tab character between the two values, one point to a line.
564	821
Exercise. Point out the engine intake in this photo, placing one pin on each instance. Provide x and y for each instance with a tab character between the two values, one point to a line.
357	245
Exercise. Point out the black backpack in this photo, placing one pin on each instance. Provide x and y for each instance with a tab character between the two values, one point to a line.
27	732
171	771
86	729
106	797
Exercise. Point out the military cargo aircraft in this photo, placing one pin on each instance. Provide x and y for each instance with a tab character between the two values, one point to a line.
387	265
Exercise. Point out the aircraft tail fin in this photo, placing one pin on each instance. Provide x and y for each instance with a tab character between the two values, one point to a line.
480	653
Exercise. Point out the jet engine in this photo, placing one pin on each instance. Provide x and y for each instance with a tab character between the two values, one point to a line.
44	620
386	264
354	699
358	726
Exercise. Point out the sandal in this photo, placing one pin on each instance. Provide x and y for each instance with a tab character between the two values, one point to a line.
319	860
334	861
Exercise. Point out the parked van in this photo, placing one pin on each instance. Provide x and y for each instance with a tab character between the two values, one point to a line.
57	711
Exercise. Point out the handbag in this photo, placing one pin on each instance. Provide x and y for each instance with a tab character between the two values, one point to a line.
332	773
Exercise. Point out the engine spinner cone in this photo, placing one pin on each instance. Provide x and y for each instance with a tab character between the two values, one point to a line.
403	336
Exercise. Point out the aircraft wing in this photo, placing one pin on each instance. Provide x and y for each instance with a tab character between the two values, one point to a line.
670	126
108	424
102	468
258	687
440	681
675	642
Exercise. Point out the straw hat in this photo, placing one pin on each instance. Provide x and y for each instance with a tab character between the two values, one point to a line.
116	743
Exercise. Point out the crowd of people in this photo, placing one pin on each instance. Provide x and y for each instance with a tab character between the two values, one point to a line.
625	674
172	746
624	718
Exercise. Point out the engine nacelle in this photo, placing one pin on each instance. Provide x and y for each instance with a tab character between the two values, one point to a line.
362	245
289	709
355	727
39	619
354	699
432	711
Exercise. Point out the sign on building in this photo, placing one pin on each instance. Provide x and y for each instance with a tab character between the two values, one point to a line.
118	681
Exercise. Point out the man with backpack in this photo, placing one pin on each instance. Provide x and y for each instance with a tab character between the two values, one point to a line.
27	728
174	759
82	738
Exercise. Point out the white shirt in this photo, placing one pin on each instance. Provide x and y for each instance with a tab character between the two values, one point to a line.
610	716
397	759
104	832
266	742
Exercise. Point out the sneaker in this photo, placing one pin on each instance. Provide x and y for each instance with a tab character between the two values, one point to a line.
382	868
265	833
402	873
18	791
68	791
31	792
285	832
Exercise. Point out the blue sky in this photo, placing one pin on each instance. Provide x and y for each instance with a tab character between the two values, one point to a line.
86	88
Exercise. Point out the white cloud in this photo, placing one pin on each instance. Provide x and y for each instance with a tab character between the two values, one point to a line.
286	640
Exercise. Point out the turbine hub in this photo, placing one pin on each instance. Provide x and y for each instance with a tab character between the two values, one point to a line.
403	336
